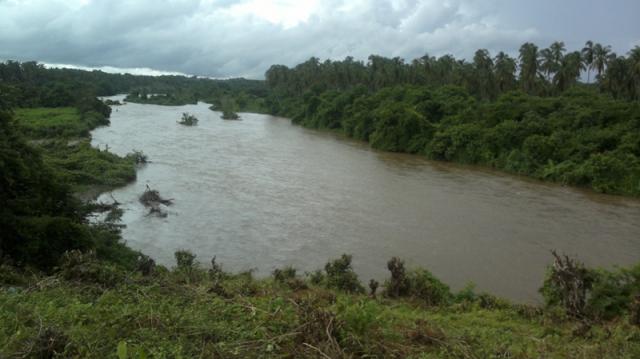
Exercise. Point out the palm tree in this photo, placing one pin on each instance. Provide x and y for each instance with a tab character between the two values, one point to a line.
483	74
587	58
444	69
634	69
528	66
557	49
616	78
601	56
548	64
552	59
505	72
570	68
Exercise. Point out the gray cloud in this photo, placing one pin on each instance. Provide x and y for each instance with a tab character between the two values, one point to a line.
223	38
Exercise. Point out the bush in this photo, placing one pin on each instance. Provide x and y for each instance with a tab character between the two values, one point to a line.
284	274
215	272
10	275
186	270
316	277
86	268
287	276
138	157
184	259
419	284
423	285
340	275
398	285
587	293
45	239
188	120
566	284
50	342
146	265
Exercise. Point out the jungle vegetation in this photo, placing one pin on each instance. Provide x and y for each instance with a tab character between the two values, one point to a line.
30	84
530	115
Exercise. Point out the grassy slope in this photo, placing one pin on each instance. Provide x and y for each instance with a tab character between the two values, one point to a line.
180	313
63	135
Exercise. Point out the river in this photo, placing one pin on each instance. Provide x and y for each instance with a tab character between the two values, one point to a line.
261	193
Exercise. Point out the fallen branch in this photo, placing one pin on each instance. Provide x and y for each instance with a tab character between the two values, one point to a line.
152	200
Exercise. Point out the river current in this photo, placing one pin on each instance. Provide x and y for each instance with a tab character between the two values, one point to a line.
261	193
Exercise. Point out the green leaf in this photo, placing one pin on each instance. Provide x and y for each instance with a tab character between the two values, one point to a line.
122	350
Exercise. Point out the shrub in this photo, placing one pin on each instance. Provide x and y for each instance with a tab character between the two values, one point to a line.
340	275
10	275
187	269
215	272
138	157
86	268
634	315
566	284
419	284
50	342
467	294
319	328
588	293
45	239
316	277
373	287
284	274
146	265
188	120
184	259
398	285
425	286
287	276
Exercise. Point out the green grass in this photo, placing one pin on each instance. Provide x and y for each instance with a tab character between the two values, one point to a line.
63	135
83	165
185	313
63	122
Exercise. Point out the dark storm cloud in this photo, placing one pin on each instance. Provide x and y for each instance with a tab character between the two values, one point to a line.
224	38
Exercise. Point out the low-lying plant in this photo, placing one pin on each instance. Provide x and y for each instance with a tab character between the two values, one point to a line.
188	119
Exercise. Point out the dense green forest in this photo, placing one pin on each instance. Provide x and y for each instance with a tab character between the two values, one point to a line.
530	115
30	84
70	287
538	72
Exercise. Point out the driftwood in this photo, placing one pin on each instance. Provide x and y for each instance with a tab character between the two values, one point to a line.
152	200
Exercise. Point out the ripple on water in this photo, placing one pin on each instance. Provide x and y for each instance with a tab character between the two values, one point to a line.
261	193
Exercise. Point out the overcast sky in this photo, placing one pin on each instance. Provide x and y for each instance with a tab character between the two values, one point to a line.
229	38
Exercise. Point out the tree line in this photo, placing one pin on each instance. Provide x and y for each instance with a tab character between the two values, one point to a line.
536	71
30	84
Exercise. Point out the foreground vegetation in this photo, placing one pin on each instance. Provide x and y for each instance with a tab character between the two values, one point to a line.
90	308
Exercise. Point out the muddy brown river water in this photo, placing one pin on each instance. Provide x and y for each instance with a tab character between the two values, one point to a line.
261	193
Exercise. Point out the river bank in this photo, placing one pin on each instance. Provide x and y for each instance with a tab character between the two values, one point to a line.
63	135
191	311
